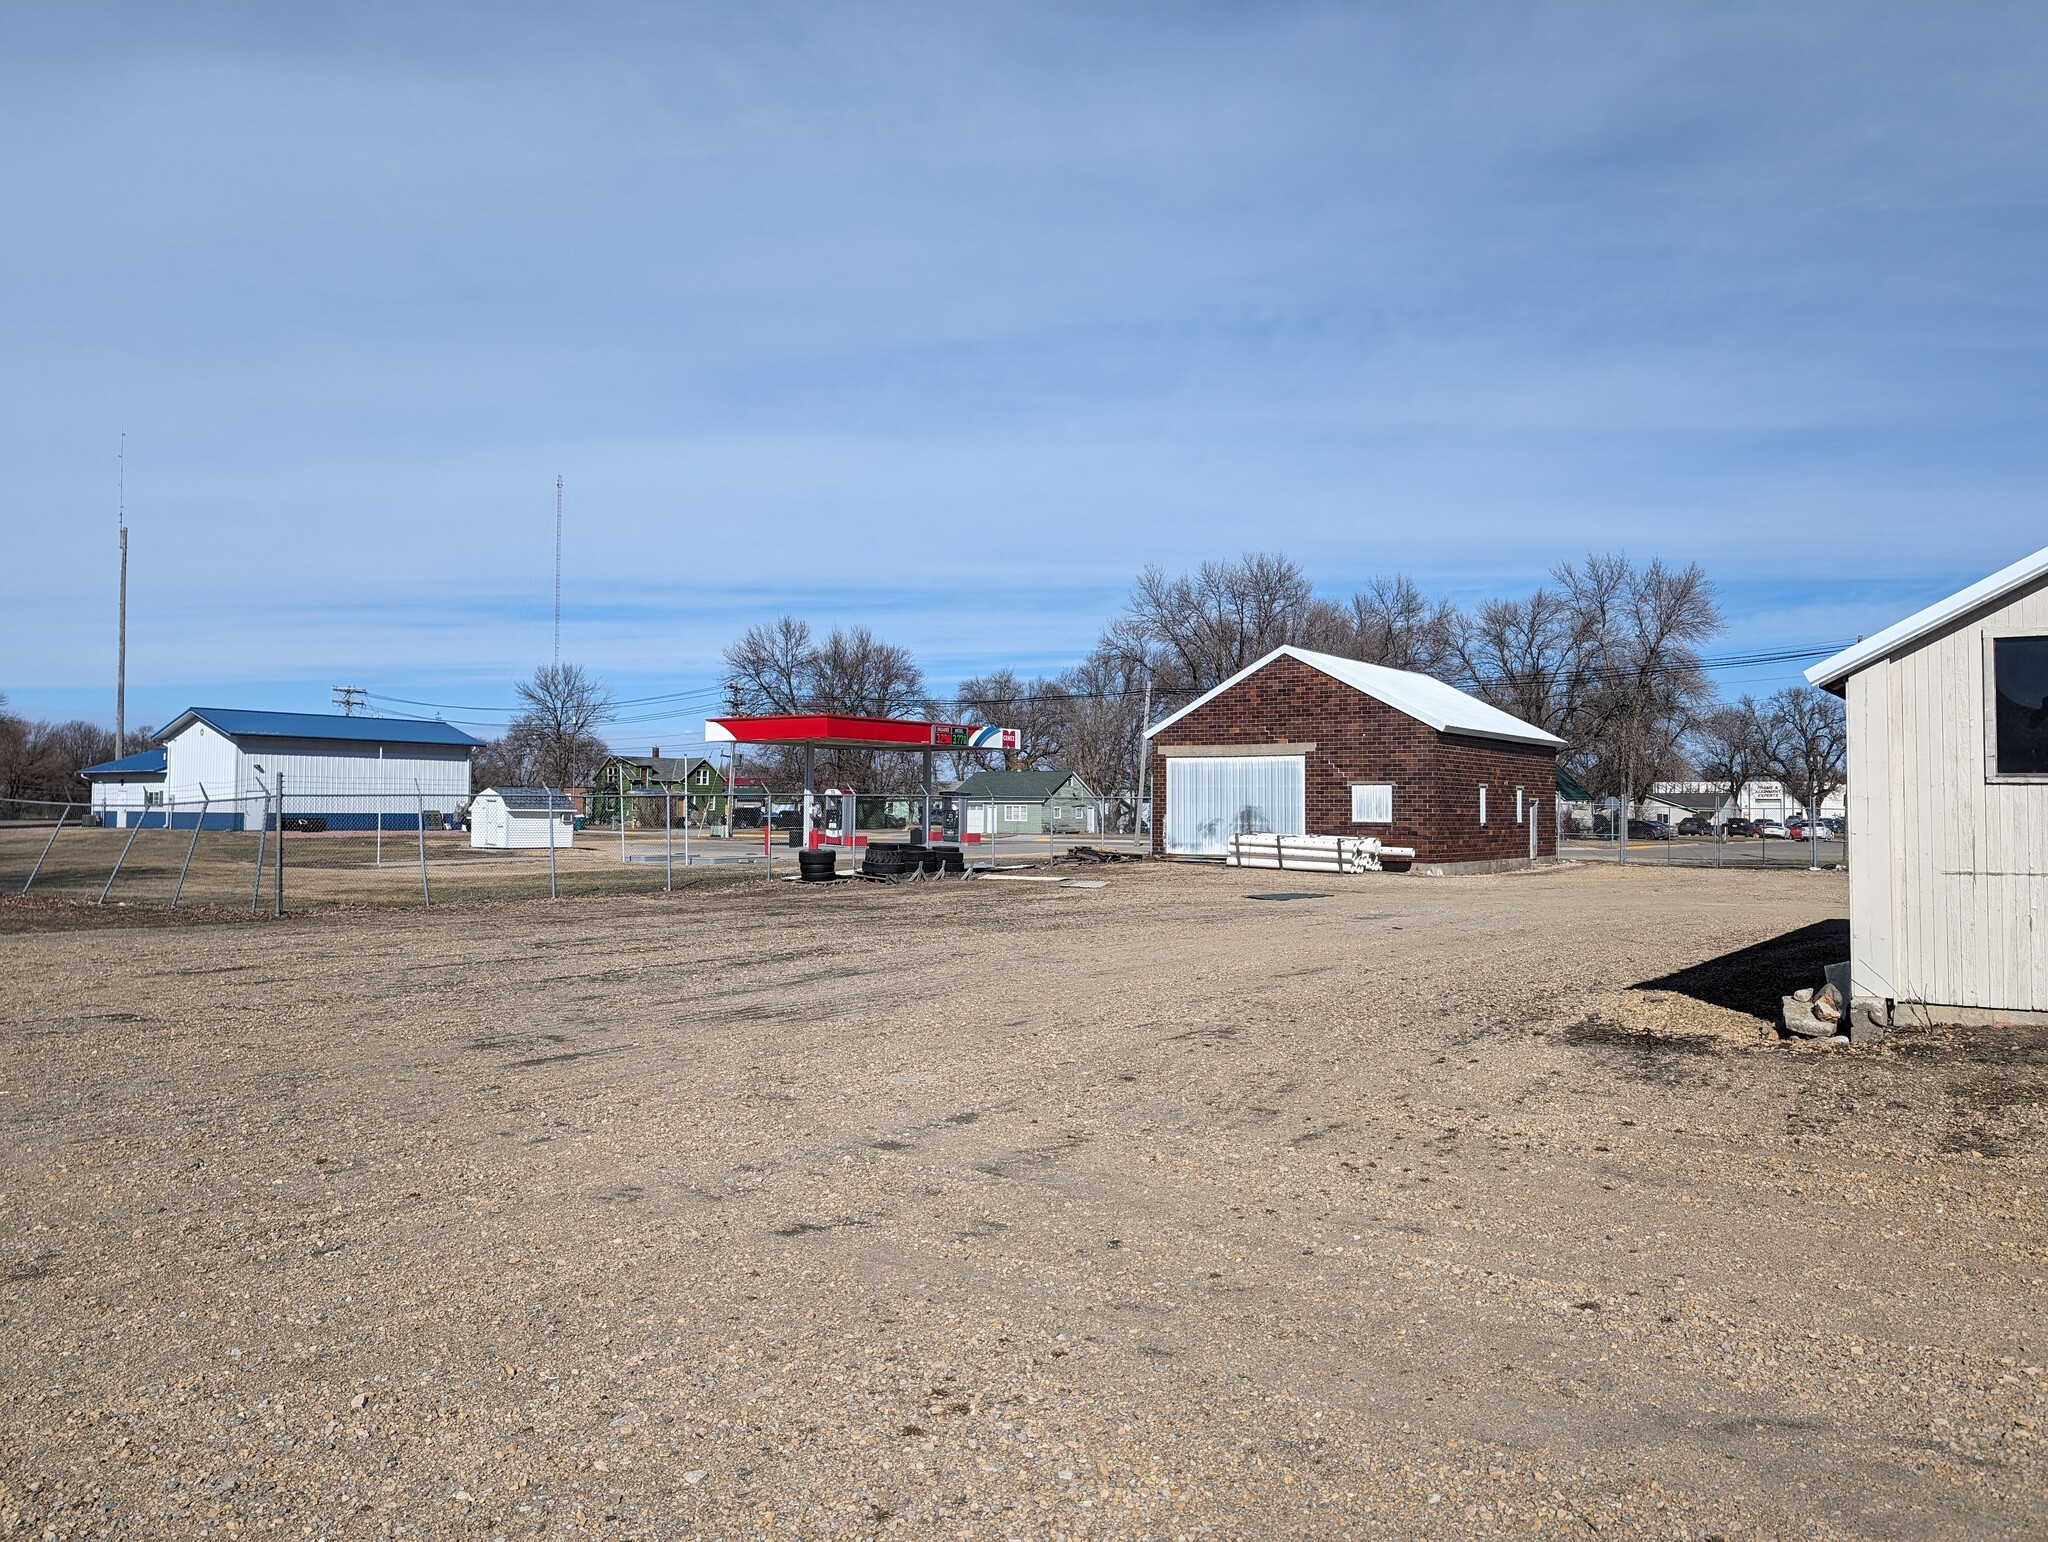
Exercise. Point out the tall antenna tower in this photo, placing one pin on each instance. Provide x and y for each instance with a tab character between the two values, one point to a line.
558	572
121	654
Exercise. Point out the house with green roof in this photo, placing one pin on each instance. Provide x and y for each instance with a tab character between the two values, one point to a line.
1028	803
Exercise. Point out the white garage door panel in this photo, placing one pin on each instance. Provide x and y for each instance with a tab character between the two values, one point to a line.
1211	798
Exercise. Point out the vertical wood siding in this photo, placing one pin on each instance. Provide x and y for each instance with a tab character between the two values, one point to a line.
1948	888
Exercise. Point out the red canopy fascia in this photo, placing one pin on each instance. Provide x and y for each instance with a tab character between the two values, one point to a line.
831	730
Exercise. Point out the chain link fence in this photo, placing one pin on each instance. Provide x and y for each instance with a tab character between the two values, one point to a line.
1662	844
272	855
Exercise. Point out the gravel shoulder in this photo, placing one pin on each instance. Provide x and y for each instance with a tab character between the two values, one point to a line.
1423	1208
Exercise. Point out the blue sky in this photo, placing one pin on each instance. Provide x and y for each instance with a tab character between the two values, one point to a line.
946	319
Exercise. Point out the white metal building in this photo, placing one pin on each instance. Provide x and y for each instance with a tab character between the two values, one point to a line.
129	790
1948	804
350	773
518	819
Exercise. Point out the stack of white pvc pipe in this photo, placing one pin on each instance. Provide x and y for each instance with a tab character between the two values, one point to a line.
1314	853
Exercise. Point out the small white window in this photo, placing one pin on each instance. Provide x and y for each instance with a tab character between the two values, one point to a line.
1372	803
1518	805
1482	805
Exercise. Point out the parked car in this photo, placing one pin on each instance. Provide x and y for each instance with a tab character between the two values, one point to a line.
1771	830
1695	824
1648	830
1739	829
1804	829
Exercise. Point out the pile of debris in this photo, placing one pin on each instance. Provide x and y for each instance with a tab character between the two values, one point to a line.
1823	1016
1317	853
1096	854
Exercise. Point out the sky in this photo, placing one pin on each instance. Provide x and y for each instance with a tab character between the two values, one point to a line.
945	320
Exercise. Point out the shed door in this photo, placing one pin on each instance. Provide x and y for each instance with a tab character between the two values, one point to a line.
1209	799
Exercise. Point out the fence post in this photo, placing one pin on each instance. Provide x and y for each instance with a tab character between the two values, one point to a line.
419	797
46	848
668	833
277	882
192	845
551	842
262	829
119	860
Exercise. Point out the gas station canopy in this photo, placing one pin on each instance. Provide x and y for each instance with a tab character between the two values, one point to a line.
827	730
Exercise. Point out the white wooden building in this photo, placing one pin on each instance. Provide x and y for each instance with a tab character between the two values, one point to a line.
518	819
1948	805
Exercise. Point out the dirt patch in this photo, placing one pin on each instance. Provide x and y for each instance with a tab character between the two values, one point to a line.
1009	1210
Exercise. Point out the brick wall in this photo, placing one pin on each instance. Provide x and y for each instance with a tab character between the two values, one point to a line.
1436	777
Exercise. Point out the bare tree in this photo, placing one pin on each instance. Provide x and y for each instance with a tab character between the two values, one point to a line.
1608	660
1104	728
40	761
556	736
1390	622
1731	747
1199	629
1806	743
771	668
856	672
1041	711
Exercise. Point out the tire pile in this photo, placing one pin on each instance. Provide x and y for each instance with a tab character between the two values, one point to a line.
899	860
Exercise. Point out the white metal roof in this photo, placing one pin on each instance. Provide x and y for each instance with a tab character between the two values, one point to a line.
1423	697
1830	673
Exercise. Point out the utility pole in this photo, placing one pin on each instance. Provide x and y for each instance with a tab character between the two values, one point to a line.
558	572
348	698
1140	815
121	654
732	752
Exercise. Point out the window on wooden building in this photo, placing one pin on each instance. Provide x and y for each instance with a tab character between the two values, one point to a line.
2019	717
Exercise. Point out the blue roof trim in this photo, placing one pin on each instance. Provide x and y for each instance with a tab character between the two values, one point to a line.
239	723
141	763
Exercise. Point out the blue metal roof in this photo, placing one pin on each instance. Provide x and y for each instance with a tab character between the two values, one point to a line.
238	723
141	763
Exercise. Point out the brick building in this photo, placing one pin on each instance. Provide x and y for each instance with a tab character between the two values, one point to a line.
1308	743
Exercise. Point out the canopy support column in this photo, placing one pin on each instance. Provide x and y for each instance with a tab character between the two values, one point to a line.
810	789
924	831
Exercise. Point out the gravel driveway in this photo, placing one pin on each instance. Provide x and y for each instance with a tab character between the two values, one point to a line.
1431	1208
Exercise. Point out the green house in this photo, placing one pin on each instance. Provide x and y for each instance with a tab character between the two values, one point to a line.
1028	803
695	789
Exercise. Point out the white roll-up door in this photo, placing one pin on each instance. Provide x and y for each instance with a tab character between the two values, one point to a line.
1210	798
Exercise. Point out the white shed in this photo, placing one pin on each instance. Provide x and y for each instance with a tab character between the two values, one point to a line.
518	819
1948	805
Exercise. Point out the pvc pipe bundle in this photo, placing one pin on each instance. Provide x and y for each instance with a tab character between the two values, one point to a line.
1314	853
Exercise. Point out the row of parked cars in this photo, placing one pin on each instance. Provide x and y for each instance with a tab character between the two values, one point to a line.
1734	829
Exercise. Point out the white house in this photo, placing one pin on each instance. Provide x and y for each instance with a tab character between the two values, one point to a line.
347	773
1948	805
518	819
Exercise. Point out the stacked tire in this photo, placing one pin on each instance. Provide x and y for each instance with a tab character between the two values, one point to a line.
817	866
889	861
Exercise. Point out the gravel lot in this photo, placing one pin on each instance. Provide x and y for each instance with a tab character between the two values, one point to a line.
1434	1208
